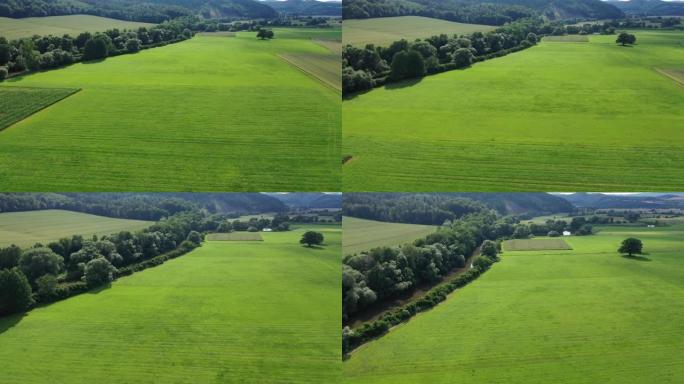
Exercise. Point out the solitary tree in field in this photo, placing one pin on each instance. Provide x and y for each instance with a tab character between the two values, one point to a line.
625	38
311	238
631	246
264	34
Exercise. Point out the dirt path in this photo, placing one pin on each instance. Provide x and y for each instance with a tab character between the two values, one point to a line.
378	310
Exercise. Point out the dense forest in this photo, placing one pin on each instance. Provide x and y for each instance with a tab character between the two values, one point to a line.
141	206
307	7
490	12
650	7
309	199
436	208
152	11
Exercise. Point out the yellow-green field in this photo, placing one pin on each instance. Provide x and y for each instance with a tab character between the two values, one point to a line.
27	228
234	236
383	31
60	25
543	244
362	235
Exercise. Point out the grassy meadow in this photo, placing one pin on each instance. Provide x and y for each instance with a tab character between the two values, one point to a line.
27	228
228	312
60	25
213	113
362	235
17	103
383	31
584	315
536	244
555	117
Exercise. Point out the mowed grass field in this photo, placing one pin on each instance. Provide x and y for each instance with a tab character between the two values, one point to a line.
235	236
362	235
557	116
27	228
537	244
210	114
383	31
60	25
228	312
586	315
17	103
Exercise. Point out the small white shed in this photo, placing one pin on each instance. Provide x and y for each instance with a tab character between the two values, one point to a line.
267	230
567	233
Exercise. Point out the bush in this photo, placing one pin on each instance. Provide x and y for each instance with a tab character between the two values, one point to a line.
553	234
3	73
40	261
482	263
96	48
9	257
15	292
133	45
46	288
489	249
99	272
195	237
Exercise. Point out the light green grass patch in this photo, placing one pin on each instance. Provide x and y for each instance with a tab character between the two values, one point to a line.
566	39
362	235
554	117
228	312
207	114
383	31
28	228
558	319
59	25
324	68
234	236
17	103
535	244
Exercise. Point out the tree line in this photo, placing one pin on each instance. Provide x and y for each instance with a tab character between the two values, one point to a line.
365	68
373	66
45	52
48	272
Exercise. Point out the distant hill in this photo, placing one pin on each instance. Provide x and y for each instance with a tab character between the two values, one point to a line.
490	12
434	208
650	7
153	11
309	199
645	200
307	7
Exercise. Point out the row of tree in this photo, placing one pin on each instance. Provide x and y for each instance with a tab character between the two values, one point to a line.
150	12
386	272
45	52
365	68
45	273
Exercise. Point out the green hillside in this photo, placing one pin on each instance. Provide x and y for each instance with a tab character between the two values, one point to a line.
230	311
571	316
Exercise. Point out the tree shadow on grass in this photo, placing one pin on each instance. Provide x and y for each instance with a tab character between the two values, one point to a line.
636	257
98	290
7	322
403	84
94	61
314	247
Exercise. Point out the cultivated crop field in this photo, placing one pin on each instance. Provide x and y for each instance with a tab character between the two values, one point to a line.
27	228
211	113
228	312
234	236
362	235
60	25
17	103
566	39
542	244
383	31
590	116
573	316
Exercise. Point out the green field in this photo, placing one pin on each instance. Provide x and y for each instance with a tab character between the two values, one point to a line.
566	39
543	244
17	103
383	31
586	315
228	312
27	228
208	114
60	25
362	235
235	236
555	117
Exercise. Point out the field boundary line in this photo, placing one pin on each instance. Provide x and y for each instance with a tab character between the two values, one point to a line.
73	92
311	75
671	77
